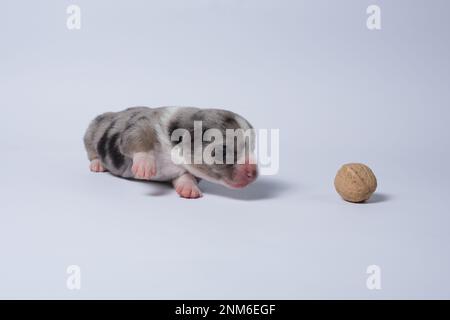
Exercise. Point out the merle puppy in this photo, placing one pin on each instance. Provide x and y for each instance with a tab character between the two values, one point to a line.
141	142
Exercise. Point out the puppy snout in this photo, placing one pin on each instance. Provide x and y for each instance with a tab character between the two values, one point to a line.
244	174
251	171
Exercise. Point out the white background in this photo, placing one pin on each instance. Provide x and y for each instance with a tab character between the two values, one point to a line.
337	91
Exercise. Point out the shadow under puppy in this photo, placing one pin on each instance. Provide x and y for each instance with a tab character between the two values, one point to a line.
141	142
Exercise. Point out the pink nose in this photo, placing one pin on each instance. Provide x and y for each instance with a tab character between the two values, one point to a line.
244	174
250	171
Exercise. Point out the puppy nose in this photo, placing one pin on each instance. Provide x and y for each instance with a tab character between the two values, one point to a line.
251	170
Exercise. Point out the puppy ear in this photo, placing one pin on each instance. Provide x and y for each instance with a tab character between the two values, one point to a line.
185	123
229	122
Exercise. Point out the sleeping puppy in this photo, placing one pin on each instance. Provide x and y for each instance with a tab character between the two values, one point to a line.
177	144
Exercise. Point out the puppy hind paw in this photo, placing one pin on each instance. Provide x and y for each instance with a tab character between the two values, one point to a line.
96	166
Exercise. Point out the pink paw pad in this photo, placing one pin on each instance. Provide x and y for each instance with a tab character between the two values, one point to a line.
96	166
188	190
144	166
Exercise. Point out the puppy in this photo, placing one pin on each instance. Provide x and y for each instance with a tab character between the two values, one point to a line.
169	143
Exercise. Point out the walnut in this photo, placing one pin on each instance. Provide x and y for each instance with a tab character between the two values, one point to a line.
355	182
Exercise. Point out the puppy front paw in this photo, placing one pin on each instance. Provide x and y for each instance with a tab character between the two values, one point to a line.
186	186
144	166
188	190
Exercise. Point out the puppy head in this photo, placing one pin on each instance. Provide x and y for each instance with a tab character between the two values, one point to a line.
215	145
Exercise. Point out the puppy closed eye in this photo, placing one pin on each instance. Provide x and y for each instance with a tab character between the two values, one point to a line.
223	156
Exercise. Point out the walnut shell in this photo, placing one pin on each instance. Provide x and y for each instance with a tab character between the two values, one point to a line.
355	182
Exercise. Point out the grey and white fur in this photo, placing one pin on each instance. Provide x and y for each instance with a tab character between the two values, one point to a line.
136	143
